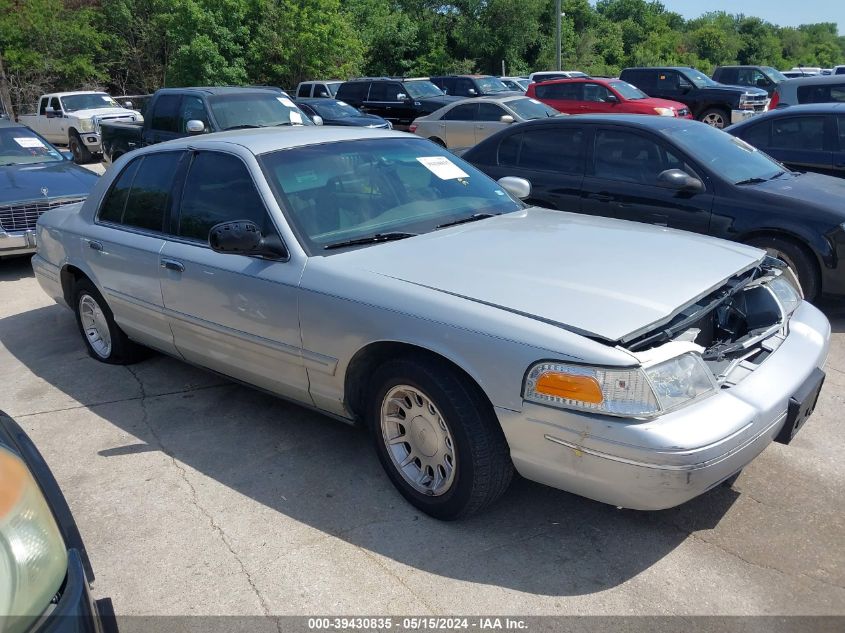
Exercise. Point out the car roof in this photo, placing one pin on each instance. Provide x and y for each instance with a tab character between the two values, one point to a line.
654	123
74	93
816	79
806	108
264	140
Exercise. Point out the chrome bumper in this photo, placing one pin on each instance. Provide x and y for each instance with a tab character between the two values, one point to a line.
661	463
742	115
49	278
17	243
92	141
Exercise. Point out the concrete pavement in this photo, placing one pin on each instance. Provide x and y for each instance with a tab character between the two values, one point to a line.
198	496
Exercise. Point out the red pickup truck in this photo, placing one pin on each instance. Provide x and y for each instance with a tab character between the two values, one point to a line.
602	96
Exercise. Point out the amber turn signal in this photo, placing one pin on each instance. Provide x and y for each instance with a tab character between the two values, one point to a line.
569	386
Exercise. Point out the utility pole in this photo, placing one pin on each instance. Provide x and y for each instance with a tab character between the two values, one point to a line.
557	35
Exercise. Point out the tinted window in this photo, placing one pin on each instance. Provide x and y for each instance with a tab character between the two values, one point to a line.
490	112
559	92
355	91
798	132
192	109
758	135
727	75
42	108
54	103
218	188
464	112
596	93
166	113
559	150
463	87
115	201
645	80
508	154
630	157
840	121
527	108
148	198
670	81
304	91
825	93
378	91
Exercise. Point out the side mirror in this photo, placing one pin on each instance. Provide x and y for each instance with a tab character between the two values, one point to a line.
472	92
317	119
506	118
127	105
195	127
323	94
51	113
66	153
680	180
517	187
611	99
242	237
401	96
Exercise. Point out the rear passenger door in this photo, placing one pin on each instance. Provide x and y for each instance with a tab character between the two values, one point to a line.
622	182
235	314
803	142
459	125
123	245
488	121
551	158
563	97
164	120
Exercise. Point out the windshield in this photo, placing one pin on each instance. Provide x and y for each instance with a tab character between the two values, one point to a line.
774	74
334	109
353	189
699	79
627	90
529	109
255	109
422	89
333	87
489	85
731	158
19	146
73	103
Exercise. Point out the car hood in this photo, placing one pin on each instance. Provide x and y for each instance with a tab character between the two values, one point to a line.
654	102
92	112
606	278
439	101
808	189
61	178
739	90
362	120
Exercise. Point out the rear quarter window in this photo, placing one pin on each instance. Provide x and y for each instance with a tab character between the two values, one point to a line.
824	93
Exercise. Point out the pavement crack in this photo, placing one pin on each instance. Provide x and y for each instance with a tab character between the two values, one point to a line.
183	474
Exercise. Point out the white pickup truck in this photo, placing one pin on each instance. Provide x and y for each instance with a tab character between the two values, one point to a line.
73	119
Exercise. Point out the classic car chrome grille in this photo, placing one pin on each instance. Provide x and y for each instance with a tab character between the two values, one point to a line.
23	215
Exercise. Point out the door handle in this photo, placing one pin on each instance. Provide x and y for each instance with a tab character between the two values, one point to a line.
95	245
172	264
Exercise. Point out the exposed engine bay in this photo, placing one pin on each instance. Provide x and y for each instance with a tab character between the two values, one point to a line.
734	328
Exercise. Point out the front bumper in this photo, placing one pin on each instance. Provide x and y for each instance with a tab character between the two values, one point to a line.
76	611
92	141
661	463
18	243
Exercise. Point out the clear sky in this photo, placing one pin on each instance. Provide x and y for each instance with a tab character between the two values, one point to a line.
781	12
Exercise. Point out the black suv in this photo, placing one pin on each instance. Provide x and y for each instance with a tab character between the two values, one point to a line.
709	101
400	101
472	86
764	77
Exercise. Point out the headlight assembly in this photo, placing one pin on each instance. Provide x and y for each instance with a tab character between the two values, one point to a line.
665	111
639	392
787	291
86	125
33	557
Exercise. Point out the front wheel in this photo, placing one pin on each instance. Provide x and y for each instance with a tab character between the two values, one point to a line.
104	339
798	260
81	154
437	438
716	117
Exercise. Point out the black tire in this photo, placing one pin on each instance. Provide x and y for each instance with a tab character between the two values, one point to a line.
717	117
799	259
437	141
122	350
81	155
482	468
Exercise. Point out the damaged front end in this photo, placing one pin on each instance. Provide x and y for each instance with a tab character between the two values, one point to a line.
733	329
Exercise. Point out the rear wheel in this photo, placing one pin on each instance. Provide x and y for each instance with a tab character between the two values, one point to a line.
797	257
436	140
716	117
437	438
81	155
104	339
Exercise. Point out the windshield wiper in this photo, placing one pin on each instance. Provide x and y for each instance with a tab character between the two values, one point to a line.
240	127
471	218
778	175
370	239
750	181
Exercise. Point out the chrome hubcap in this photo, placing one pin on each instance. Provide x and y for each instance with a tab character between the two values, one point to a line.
715	120
95	326
418	440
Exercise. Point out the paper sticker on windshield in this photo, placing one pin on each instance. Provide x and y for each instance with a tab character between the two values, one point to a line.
28	141
106	98
295	117
442	167
285	102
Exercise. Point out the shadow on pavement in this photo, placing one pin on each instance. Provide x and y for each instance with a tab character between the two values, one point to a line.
325	474
14	268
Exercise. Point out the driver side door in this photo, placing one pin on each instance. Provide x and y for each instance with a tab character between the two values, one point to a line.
235	314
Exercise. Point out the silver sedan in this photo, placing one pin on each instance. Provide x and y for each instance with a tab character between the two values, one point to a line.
465	123
376	277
